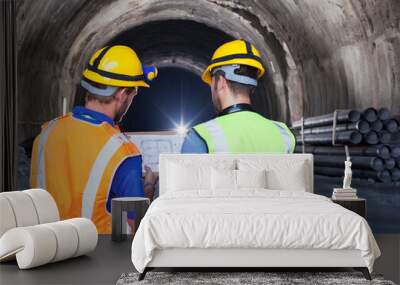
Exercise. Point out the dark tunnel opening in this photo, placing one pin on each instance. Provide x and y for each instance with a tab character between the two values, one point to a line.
176	98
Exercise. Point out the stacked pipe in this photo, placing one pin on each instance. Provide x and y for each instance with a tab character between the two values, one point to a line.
372	137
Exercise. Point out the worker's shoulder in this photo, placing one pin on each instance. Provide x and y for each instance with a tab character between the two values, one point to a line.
270	121
282	125
279	123
204	123
53	121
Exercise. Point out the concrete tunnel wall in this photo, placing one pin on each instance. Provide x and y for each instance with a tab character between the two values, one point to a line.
320	55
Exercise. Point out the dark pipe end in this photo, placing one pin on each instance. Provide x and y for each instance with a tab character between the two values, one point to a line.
363	126
371	138
377	164
385	176
391	125
383	151
395	174
370	115
377	125
395	151
354	116
384	136
383	114
390	163
356	137
396	138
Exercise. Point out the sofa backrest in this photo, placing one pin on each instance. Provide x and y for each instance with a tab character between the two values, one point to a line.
26	208
284	171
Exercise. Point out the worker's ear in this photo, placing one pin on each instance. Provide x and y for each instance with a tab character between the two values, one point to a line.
132	91
119	94
222	84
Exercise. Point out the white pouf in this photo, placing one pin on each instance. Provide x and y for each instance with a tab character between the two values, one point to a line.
31	233
23	208
46	207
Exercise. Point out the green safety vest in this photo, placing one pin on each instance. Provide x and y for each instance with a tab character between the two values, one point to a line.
246	132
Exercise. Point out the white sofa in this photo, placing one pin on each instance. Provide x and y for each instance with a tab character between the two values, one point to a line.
31	231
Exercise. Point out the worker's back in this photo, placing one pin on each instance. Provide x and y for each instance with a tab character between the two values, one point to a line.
246	132
75	161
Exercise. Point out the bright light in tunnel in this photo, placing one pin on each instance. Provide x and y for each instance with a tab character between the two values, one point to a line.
181	129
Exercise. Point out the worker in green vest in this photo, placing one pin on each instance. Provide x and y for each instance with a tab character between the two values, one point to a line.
232	75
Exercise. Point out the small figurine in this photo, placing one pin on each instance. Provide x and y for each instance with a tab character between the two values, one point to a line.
346	192
347	174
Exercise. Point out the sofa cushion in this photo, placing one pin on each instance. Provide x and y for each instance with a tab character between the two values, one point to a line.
40	244
26	208
32	246
45	205
87	234
67	240
23	208
7	218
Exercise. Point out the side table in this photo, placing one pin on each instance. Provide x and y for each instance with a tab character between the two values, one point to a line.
120	205
358	205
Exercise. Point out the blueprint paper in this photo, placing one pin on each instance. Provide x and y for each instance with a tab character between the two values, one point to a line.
151	144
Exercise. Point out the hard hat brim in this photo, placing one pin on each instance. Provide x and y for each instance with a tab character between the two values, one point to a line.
206	77
95	77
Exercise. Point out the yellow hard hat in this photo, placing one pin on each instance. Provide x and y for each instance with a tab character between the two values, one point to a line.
116	66
235	52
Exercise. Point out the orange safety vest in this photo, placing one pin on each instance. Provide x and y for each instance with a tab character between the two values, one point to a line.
75	161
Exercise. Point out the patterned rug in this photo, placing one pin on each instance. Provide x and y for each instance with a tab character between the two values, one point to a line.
243	278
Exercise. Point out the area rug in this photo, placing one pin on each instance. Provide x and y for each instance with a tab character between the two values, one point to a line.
243	278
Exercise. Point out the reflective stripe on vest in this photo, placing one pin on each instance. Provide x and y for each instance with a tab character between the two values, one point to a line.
245	132
218	136
96	173
285	136
41	157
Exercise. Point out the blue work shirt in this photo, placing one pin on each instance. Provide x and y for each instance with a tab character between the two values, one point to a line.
193	143
127	181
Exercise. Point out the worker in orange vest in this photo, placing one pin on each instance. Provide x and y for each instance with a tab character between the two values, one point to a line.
82	158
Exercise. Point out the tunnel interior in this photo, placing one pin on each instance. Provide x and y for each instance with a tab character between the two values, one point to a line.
186	45
179	47
177	97
319	55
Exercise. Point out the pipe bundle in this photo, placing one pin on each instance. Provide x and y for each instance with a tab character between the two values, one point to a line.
372	136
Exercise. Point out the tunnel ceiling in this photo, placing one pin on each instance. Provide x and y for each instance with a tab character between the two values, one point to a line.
187	44
320	54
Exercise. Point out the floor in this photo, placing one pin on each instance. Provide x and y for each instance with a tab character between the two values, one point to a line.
103	266
389	262
110	260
